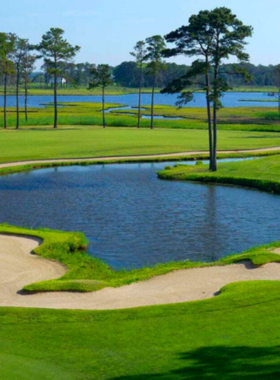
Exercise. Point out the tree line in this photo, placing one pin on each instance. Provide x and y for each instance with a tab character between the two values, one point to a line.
127	75
209	38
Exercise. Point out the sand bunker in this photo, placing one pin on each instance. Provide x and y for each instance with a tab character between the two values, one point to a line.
19	267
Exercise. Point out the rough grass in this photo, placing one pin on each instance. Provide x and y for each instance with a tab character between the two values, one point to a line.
241	118
34	89
82	91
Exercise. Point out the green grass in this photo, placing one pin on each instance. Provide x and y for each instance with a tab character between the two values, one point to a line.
89	114
113	90
86	274
80	141
233	336
229	118
103	161
77	91
262	174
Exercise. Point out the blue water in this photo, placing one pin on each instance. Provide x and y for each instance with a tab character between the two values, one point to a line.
133	219
128	109
228	100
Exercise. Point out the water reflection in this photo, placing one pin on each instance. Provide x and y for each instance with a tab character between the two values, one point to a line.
133	219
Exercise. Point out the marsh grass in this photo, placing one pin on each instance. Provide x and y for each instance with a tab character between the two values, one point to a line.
242	118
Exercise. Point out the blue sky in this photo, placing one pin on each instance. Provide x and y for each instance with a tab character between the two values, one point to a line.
107	30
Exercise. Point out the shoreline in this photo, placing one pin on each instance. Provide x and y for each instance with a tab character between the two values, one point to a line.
174	286
19	267
195	155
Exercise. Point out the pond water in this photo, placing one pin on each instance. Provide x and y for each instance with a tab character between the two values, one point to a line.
128	109
133	219
228	100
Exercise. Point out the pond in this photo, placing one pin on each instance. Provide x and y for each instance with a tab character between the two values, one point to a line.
133	219
129	109
234	99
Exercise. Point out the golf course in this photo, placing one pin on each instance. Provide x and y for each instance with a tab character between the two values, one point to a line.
139	190
233	311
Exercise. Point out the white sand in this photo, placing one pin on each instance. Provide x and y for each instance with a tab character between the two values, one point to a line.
18	267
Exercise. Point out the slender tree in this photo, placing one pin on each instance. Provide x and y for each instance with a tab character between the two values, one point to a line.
7	47
56	52
155	47
229	40
21	47
140	54
101	77
211	36
28	67
277	84
193	40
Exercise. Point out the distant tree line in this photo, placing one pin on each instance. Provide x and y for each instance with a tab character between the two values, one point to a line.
209	39
127	75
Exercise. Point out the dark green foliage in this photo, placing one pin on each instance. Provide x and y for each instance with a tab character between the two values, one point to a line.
7	69
56	52
101	77
155	47
141	55
212	36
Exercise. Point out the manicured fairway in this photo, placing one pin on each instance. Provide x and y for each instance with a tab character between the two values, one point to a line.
78	142
234	336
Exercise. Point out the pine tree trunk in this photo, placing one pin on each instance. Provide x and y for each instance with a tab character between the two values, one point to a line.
25	101
140	95
55	101
103	106
153	101
17	99
215	121
209	116
5	101
215	137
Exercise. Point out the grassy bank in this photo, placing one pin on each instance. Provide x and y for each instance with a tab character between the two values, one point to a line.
83	142
114	90
232	336
262	174
194	157
86	274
